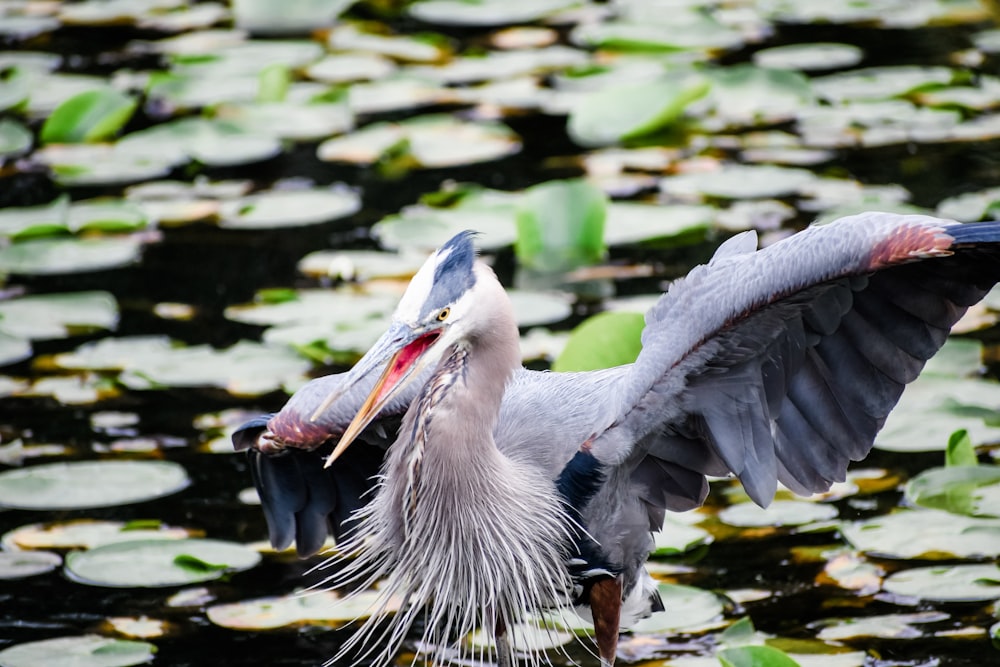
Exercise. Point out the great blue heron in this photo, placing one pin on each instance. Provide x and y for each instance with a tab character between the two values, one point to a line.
486	491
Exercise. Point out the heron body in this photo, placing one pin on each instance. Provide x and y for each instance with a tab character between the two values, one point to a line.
484	492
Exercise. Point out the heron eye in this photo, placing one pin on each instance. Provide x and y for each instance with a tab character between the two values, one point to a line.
443	315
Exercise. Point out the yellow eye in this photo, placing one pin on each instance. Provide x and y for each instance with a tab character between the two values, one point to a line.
443	315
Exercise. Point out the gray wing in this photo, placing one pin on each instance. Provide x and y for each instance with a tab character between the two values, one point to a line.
782	364
303	501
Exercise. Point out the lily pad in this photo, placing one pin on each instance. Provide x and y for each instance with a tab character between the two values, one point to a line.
739	182
69	255
635	222
216	143
21	564
485	12
778	513
314	607
289	208
879	83
82	651
809	57
88	533
47	316
628	111
158	563
13	349
88	117
360	265
964	489
750	95
885	626
958	583
602	341
925	534
15	138
89	484
560	226
437	140
685	608
676	537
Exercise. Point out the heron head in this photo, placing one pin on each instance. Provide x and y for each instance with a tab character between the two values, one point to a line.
428	320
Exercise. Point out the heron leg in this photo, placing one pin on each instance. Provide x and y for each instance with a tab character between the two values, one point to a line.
606	608
504	649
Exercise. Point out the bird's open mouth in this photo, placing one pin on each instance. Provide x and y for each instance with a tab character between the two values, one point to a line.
401	363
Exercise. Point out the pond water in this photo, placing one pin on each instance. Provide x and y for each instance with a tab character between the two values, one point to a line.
921	134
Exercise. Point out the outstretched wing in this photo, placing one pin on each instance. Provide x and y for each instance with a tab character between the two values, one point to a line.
782	364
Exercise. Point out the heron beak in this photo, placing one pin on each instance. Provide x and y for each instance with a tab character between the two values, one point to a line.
405	350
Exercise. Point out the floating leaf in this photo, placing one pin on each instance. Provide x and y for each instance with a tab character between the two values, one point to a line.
82	651
289	208
89	484
778	513
925	534
755	656
485	12
685	607
602	341
632	110
809	57
326	607
21	564
45	316
886	626
68	255
88	533
675	537
960	489
740	182
960	450
958	583
15	138
156	563
560	226
436	140
88	117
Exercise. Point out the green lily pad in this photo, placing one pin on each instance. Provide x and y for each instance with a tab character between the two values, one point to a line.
289	208
677	30
156	362
602	341
532	309
106	164
635	222
88	117
87	534
21	564
748	94
925	534
503	65
89	484
755	656
885	626
408	48
560	226
676	537
879	83
686	608
971	206
740	182
13	349
633	110
877	123
400	92
360	265
964	489
437	140
291	120
216	143
158	563
82	651
958	583
778	513
347	67
485	12
809	57
52	256
15	138
943	399
314	607
47	316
